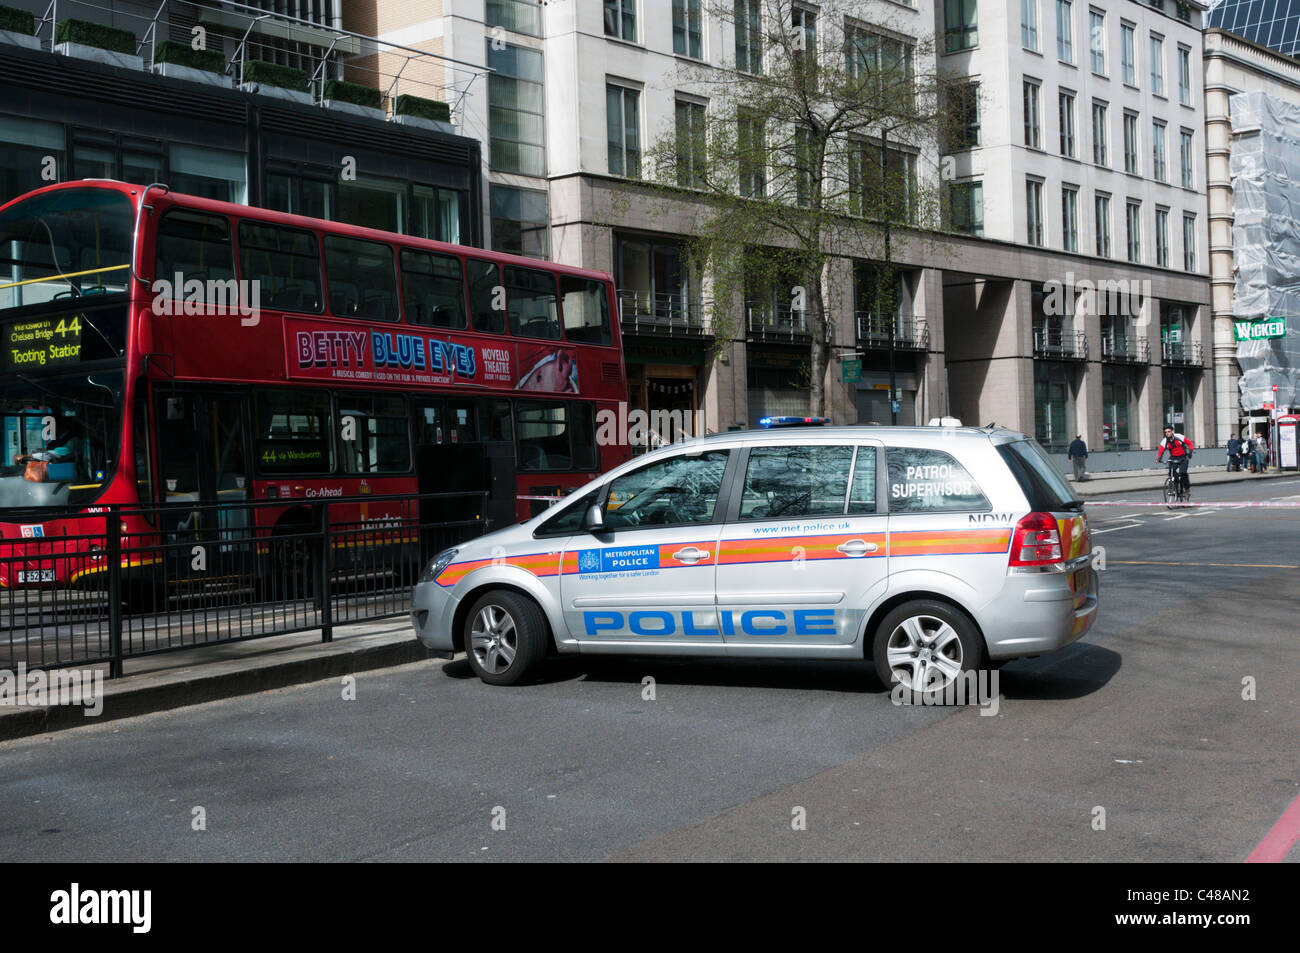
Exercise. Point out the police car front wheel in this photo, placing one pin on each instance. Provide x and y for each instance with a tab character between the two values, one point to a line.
505	637
926	646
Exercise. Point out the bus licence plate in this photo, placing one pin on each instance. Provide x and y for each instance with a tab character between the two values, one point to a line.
36	575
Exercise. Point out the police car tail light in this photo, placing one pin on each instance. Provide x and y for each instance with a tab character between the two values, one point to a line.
1036	541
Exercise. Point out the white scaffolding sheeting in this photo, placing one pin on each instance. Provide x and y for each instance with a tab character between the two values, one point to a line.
1265	168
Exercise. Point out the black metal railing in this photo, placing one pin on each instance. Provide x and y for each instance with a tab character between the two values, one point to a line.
1125	349
137	581
1056	345
910	334
767	322
661	314
1182	352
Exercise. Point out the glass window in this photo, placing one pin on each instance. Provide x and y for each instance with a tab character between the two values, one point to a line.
960	25
519	221
210	173
372	202
582	425
1157	65
435	213
299	194
362	279
1100	154
1064	31
620	19
1184	76
1130	143
803	23
621	105
286	264
544	438
433	289
586	310
193	246
785	482
1037	475
24	146
967	199
1127	54
1065	110
518	16
1069	218
965	109
1029	24
928	481
1158	170
690	144
749	36
532	302
495	420
516	110
1162	237
751	143
1034	211
1189	242
1101	222
862	493
1133	221
1097	41
687	36
429	422
293	431
487	297
373	434
1033	138
1185	158
677	491
569	519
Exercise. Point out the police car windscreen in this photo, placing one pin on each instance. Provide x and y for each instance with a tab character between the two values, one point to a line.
1044	485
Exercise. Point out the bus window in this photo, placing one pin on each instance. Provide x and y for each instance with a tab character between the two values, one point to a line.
190	246
373	434
433	289
293	432
586	310
494	420
286	264
429	422
543	435
534	309
583	428
362	279
486	296
461	421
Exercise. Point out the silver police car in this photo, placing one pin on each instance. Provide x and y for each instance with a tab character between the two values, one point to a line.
935	551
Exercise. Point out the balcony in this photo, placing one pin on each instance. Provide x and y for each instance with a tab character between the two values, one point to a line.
768	322
910	334
1052	344
1184	353
1125	350
661	315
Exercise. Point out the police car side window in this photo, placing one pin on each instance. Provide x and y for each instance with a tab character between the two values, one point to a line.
782	482
570	521
679	490
930	481
862	495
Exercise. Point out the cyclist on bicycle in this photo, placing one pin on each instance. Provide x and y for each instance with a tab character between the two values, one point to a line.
1180	453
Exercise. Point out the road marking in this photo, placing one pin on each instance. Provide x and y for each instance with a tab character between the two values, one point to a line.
1180	516
1157	562
1115	529
1277	843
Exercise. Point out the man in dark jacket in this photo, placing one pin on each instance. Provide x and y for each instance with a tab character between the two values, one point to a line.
1234	454
1078	455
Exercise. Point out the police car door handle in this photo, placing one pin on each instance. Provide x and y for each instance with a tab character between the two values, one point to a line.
856	547
690	555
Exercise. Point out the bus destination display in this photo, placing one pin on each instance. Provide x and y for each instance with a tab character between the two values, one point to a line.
43	342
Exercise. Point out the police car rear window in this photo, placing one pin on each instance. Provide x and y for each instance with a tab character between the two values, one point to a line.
930	481
1043	485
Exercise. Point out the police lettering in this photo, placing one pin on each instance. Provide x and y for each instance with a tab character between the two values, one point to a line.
759	622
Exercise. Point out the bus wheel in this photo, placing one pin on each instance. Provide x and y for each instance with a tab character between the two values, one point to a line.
505	637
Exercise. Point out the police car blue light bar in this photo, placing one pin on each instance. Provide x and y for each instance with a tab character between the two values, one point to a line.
794	421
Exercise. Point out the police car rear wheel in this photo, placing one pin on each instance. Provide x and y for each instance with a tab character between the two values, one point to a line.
925	646
505	636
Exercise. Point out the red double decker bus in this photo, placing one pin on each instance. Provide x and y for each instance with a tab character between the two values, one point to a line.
162	349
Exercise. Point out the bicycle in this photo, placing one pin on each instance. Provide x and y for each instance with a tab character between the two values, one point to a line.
1175	494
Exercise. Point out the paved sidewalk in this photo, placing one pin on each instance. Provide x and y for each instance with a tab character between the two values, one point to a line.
196	675
1103	483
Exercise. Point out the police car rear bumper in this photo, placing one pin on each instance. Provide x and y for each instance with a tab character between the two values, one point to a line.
433	611
1041	612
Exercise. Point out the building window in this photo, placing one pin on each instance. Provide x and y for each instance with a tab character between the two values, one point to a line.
210	173
803	26
1033	139
687	35
518	16
1117	399
1184	76
966	201
1029	24
1131	143
751	143
889	59
1185	158
1053	404
1158	170
690	144
1101	224
749	36
1099	147
620	19
519	222
1157	65
1189	242
1070	217
1034	212
1066	115
875	195
1183	11
622	122
1134	230
516	120
960	25
1065	31
1127	55
964	107
1097	41
1162	237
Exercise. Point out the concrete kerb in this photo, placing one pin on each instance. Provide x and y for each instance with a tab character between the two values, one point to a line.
209	673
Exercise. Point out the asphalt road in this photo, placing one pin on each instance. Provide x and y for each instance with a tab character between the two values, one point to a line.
1143	719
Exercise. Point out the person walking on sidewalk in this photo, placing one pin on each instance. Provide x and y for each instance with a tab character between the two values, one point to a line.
1180	454
1247	453
1234	454
1078	455
1261	453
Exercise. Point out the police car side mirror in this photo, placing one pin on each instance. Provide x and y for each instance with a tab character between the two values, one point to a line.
594	520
